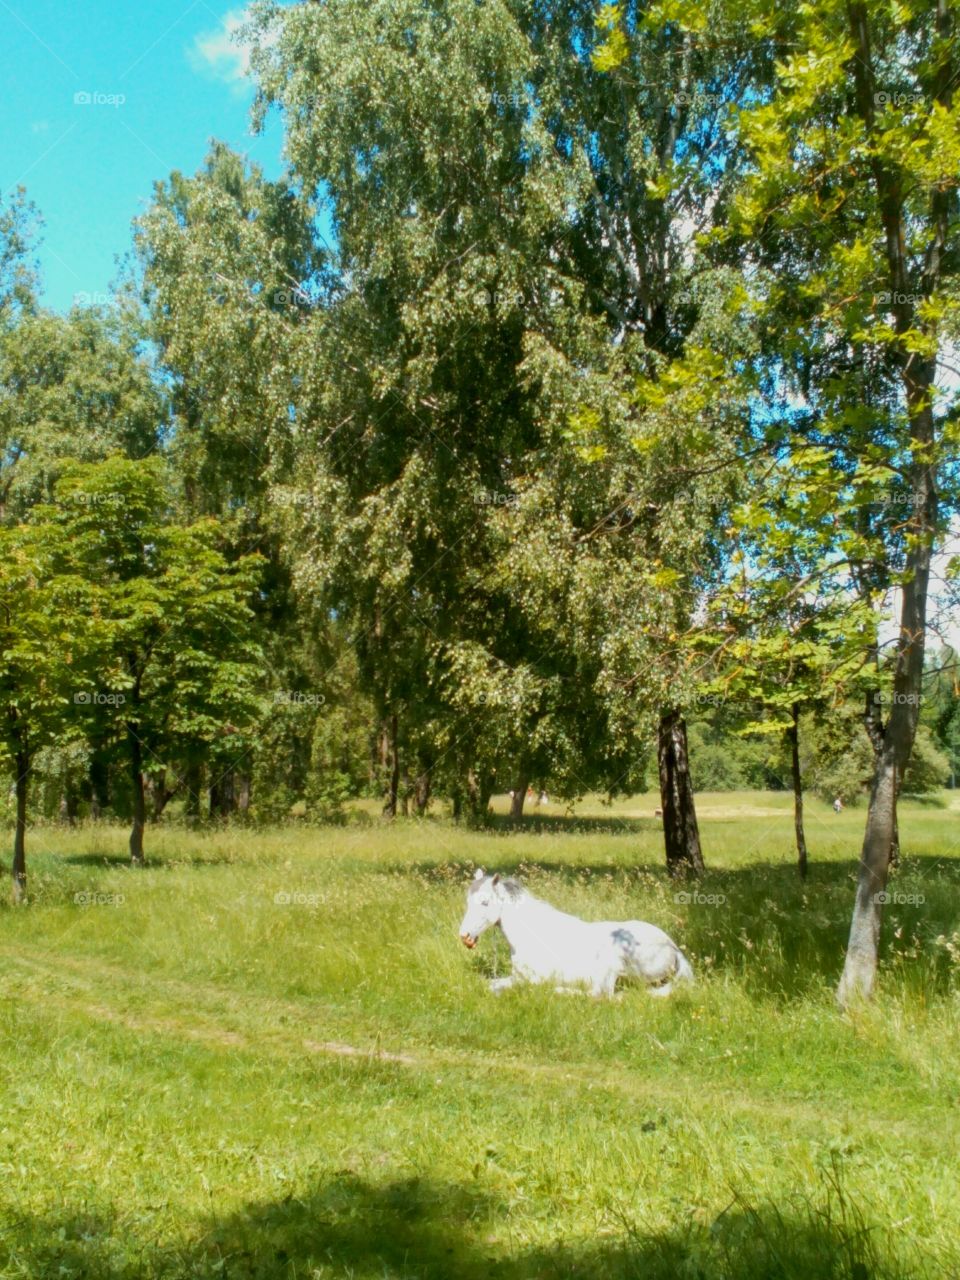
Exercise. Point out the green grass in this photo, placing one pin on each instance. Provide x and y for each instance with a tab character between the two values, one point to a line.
200	1081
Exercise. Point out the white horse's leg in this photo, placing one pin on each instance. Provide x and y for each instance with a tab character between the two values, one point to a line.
664	989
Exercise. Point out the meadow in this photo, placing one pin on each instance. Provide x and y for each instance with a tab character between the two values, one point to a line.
267	1055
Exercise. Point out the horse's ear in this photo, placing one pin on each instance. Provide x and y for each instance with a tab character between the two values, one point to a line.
496	878
478	874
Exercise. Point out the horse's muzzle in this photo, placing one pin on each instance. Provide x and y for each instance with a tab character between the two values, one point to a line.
468	940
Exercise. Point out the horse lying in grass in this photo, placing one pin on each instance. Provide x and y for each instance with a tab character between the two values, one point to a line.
548	945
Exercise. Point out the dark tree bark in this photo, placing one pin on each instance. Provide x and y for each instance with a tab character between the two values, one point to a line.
99	785
793	736
681	834
223	794
22	764
68	806
519	795
135	758
421	790
161	795
243	793
479	791
193	781
390	763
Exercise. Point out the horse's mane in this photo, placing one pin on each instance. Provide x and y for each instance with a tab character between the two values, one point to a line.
513	888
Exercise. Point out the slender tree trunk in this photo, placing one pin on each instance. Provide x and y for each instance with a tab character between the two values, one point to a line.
135	755
918	373
405	791
519	795
793	734
22	765
881	834
243	793
193	781
226	794
99	786
390	759
421	791
680	831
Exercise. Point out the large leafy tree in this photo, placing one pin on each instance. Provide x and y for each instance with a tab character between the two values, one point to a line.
515	225
172	667
44	631
228	269
70	386
853	209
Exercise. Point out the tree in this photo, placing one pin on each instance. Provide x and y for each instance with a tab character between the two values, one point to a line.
74	386
174	667
510	264
43	628
853	206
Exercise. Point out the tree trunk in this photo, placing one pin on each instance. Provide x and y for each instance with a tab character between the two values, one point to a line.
226	794
881	834
918	374
99	786
193	781
421	791
390	762
22	764
518	797
793	735
243	793
135	750
681	834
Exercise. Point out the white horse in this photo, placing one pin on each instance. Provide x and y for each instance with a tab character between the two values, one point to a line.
548	945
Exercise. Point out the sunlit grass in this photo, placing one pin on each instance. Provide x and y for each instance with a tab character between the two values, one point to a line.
267	1055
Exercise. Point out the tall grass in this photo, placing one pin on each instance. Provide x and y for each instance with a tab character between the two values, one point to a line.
266	1055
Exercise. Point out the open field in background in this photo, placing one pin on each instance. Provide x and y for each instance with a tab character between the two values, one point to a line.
266	1055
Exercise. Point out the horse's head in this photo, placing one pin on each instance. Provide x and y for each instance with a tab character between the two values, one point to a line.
485	898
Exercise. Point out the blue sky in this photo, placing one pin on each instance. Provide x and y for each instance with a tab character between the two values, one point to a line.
162	77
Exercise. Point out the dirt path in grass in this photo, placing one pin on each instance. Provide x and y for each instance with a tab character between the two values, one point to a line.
221	1018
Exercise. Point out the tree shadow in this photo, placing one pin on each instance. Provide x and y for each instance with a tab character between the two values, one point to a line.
570	824
422	1229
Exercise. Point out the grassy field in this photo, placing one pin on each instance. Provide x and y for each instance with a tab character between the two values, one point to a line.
267	1055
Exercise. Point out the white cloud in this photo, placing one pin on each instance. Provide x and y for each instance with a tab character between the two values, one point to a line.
222	53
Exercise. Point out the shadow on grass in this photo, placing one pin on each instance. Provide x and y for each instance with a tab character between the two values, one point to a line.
417	1229
570	824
